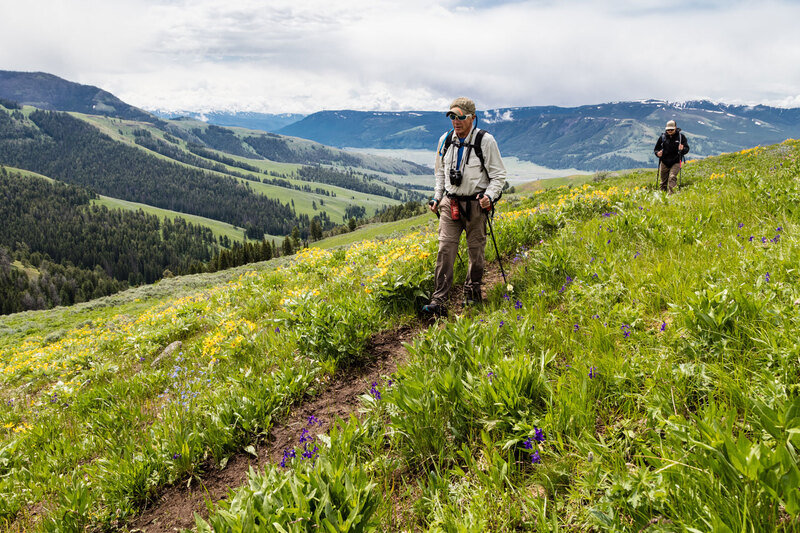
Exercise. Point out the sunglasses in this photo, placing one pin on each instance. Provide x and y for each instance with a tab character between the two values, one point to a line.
453	116
671	129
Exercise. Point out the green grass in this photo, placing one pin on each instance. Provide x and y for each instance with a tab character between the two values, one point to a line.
640	374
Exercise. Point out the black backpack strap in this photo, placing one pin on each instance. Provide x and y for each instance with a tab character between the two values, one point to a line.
448	140
476	146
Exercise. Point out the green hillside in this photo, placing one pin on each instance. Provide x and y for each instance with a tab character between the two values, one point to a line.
185	173
638	373
52	145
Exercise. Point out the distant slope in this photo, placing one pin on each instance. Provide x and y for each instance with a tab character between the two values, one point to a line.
52	93
244	119
598	137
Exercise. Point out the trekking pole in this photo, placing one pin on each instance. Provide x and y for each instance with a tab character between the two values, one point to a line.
658	175
491	232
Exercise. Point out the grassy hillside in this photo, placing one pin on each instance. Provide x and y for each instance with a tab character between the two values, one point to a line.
333	203
639	373
187	149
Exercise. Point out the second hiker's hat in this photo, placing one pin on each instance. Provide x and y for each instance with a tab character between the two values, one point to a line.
671	125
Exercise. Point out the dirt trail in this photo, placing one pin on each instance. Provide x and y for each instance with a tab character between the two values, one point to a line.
174	510
176	506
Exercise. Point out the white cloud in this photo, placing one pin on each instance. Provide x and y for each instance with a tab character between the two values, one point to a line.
307	55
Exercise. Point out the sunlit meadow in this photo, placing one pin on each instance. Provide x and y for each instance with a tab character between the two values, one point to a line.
638	373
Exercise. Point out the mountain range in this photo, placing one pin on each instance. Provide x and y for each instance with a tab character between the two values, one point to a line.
607	136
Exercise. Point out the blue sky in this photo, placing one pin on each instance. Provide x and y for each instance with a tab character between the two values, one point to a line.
303	56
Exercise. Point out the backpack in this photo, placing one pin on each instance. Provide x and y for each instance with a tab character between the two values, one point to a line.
476	146
681	137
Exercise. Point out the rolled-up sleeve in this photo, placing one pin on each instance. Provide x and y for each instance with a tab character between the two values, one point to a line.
438	173
494	167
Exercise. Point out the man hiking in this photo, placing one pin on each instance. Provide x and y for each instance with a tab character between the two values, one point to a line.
469	179
671	146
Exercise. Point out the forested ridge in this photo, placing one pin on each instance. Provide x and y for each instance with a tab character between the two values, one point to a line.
52	226
62	147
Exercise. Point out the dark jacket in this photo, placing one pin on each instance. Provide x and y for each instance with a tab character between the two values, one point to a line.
669	143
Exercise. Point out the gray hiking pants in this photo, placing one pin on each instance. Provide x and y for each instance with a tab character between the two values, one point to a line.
449	235
669	176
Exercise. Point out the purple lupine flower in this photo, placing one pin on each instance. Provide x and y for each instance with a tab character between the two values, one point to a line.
592	372
528	444
538	434
490	375
766	277
502	323
741	225
176	456
535	458
518	304
663	326
309	454
277	329
374	391
575	327
305	436
287	454
314	420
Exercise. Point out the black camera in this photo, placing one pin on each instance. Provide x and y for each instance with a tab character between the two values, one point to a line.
455	177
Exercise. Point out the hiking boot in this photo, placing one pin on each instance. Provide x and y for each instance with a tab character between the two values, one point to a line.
471	302
472	297
435	309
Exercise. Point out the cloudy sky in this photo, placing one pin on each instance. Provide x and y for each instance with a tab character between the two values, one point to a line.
303	56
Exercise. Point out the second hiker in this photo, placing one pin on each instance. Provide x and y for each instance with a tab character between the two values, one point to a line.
670	148
469	179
